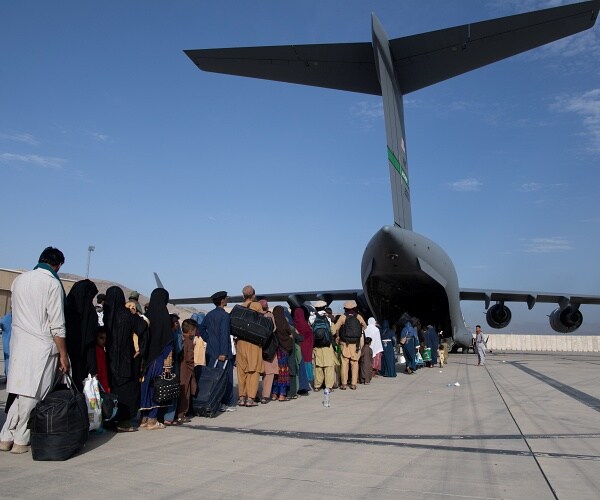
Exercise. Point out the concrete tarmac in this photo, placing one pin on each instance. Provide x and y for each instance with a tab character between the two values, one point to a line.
523	426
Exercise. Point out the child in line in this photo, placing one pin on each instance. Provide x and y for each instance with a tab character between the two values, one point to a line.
187	380
101	358
366	363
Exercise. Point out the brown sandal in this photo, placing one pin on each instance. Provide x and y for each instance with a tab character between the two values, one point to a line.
154	424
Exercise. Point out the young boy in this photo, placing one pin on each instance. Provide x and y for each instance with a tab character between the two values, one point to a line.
441	355
366	363
187	380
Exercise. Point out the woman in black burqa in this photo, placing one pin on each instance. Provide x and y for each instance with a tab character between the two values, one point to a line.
81	322
158	358
123	376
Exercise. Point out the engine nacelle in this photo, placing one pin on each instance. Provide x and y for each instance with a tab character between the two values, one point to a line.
498	316
566	320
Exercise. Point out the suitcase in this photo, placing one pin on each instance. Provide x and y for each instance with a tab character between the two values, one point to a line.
211	389
250	325
59	424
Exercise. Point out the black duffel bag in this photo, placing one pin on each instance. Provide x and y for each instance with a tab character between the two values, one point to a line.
59	424
250	325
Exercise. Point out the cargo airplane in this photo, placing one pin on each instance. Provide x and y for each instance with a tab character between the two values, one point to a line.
401	269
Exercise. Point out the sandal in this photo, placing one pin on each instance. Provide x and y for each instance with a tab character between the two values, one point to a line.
264	401
242	402
274	397
183	420
343	387
250	403
353	387
284	399
144	422
156	426
126	429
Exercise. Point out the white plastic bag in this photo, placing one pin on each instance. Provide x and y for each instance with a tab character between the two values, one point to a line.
402	360
91	391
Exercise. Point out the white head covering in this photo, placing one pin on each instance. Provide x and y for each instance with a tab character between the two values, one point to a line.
373	332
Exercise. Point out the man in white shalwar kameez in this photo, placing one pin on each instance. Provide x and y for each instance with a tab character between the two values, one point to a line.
37	345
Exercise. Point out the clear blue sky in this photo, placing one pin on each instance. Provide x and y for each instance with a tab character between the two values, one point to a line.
110	136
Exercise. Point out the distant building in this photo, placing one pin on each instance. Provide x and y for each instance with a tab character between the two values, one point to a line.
7	276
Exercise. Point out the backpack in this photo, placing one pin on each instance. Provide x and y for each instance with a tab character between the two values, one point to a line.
321	331
351	330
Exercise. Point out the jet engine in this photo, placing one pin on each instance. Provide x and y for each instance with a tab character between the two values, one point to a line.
498	316
566	320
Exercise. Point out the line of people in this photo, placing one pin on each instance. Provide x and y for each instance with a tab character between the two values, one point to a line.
314	351
127	349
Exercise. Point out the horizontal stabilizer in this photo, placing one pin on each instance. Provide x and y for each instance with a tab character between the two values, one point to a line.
428	58
419	60
341	66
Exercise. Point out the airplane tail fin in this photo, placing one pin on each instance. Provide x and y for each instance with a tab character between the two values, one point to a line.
401	65
158	282
393	111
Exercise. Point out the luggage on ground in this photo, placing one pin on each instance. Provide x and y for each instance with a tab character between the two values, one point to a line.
59	424
211	389
250	325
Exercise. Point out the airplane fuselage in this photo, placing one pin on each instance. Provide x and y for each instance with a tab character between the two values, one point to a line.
403	271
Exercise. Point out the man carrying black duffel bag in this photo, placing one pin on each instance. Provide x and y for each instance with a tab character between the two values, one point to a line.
38	345
59	423
249	359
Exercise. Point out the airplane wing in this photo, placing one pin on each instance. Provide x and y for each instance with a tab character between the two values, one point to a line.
530	298
295	298
290	297
419	60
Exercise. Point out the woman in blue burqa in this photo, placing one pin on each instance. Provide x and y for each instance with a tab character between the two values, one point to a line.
433	342
409	341
158	359
388	358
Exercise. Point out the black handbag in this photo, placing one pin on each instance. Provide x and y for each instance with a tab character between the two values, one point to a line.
270	348
166	388
110	405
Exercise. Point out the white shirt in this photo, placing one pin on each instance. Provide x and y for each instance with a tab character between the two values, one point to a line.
38	316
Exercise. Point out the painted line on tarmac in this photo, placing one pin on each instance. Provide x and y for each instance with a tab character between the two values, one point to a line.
570	391
382	440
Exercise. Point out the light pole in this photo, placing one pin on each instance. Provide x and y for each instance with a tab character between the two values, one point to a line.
91	248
